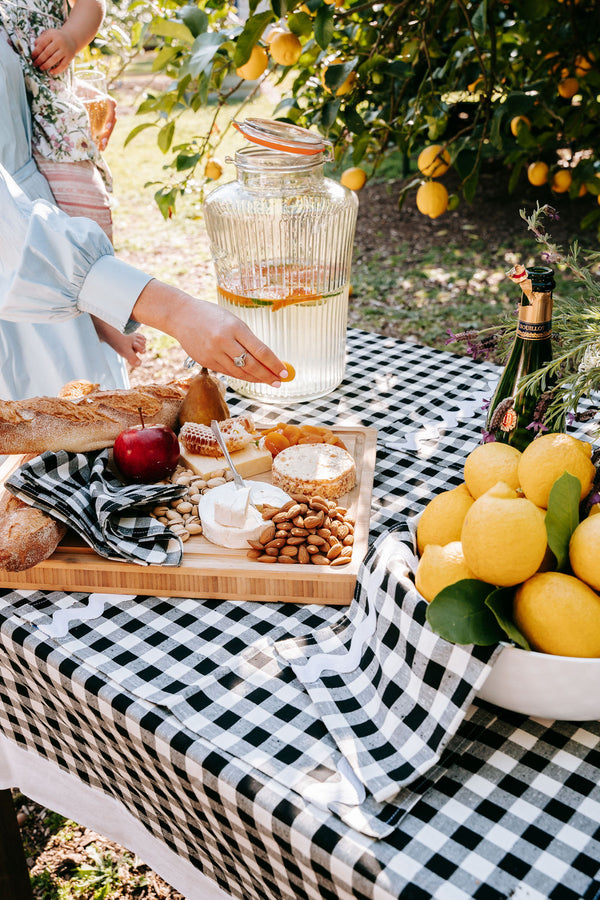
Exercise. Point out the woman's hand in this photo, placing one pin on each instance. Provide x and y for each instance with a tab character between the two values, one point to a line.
209	334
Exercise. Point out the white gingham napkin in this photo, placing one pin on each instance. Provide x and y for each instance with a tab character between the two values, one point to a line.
389	690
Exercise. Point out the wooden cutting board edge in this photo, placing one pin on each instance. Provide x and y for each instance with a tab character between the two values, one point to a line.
222	573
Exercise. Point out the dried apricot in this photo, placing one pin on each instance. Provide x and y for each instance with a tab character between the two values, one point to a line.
275	442
292	433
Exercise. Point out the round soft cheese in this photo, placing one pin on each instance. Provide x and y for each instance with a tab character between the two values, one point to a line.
314	469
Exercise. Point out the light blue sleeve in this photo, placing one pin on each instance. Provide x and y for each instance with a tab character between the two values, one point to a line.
53	266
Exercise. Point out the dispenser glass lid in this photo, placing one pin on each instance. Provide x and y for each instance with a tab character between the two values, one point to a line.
283	136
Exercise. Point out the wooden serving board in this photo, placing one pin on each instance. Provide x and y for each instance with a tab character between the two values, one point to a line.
209	571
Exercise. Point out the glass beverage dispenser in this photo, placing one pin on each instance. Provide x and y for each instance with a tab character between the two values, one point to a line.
281	238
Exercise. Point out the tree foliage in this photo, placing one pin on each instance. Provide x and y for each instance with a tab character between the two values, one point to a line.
381	79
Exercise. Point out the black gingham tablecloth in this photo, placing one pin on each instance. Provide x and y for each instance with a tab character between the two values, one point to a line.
181	709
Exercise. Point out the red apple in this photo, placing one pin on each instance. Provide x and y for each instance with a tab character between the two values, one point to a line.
146	453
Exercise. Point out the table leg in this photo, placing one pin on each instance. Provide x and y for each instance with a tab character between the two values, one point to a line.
14	874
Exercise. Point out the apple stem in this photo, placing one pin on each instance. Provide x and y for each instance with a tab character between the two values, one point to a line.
141	416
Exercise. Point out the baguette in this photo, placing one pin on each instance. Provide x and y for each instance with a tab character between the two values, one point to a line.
27	535
92	422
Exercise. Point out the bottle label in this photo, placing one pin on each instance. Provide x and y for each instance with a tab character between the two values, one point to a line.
534	331
535	316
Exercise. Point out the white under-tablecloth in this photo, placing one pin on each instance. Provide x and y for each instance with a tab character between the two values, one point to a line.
47	784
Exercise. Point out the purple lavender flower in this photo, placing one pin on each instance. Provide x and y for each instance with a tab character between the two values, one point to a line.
537	427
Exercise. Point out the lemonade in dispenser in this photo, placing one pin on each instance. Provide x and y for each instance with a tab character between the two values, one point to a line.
281	238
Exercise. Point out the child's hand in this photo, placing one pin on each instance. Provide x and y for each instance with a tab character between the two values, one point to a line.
53	51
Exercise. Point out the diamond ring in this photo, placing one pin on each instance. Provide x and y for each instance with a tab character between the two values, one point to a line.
240	360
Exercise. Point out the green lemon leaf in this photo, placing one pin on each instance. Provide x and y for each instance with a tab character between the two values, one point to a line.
135	131
324	26
203	52
195	19
250	35
459	614
500	602
171	29
479	19
165	136
562	517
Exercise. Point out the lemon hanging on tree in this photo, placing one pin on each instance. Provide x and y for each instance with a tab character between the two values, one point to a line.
433	161
561	181
537	173
285	48
518	122
213	169
354	178
568	87
432	199
256	65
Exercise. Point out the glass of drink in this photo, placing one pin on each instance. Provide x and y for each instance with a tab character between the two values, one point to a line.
90	87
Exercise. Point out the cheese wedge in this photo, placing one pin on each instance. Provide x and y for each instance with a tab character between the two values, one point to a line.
232	510
229	529
249	461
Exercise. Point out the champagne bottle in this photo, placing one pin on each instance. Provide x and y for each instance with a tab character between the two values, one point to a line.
512	410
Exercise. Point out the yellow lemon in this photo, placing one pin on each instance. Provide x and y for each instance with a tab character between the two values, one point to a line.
479	82
440	567
549	457
432	199
346	86
433	161
442	519
568	87
595	509
583	64
213	169
519	122
584	551
558	614
561	181
273	32
503	537
354	178
285	48
537	173
256	65
488	464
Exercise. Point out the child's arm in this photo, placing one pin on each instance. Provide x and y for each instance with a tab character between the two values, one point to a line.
56	48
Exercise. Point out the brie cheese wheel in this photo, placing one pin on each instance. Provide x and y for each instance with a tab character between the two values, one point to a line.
229	515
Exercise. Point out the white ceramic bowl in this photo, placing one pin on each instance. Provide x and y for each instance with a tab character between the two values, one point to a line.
545	686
